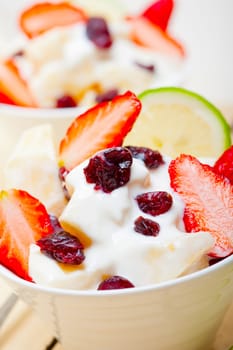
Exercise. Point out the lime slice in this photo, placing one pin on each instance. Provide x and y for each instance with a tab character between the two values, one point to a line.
175	120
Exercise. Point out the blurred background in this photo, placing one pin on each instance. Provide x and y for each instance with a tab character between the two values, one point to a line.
204	26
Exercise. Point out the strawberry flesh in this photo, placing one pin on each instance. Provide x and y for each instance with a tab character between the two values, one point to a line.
44	16
208	201
23	221
13	89
159	13
145	33
224	165
103	126
5	99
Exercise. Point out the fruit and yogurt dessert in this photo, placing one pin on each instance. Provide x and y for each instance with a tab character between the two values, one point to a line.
129	216
72	59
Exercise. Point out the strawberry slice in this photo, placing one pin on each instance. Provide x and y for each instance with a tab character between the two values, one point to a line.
159	13
224	165
23	220
147	34
5	99
208	201
44	16
104	125
13	87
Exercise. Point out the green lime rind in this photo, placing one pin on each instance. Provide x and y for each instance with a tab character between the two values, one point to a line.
203	102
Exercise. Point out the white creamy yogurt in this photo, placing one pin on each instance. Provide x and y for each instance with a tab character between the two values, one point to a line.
117	249
63	61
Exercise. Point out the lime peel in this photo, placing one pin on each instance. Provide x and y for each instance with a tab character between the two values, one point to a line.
176	120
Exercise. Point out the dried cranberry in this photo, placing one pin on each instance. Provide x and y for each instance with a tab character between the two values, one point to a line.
18	53
148	67
152	159
106	96
115	282
98	32
154	203
66	101
214	261
62	247
55	224
62	173
109	169
146	227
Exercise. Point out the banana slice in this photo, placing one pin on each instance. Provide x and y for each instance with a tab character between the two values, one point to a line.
33	167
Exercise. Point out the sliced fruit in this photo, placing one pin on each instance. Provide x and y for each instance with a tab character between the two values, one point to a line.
208	201
147	34
159	13
23	220
224	164
5	99
32	167
13	87
44	16
104	125
175	120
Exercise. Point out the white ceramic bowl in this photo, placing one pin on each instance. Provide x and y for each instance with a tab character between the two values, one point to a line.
181	314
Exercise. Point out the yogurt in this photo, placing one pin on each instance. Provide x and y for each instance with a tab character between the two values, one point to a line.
63	61
115	247
71	60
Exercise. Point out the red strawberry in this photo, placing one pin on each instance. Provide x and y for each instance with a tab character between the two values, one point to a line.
12	86
224	165
104	125
159	13
208	199
147	34
44	16
5	99
23	220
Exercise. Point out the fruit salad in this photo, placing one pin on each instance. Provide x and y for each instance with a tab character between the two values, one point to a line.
70	58
98	215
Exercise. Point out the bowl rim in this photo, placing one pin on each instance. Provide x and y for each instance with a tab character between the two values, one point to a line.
177	78
13	111
55	291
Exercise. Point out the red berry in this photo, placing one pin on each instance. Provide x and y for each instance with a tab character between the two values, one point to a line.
62	247
208	201
10	76
55	224
146	227
107	123
109	169
152	159
62	173
159	13
154	203
224	165
148	67
23	220
115	282
66	101
106	96
47	15
98	32
18	53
